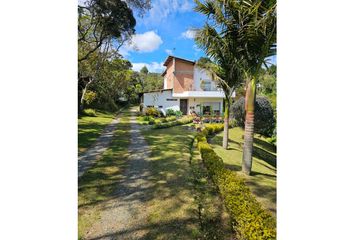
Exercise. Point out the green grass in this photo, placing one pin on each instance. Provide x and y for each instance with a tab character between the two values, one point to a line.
262	181
90	128
184	204
171	208
99	182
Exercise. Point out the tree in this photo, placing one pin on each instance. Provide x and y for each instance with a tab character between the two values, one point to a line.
259	43
103	21
216	39
144	70
103	27
239	37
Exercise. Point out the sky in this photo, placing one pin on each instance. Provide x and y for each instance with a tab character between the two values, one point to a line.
166	29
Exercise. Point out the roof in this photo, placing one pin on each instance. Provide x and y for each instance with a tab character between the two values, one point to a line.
169	58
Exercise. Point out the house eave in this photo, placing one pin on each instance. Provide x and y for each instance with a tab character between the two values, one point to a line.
201	94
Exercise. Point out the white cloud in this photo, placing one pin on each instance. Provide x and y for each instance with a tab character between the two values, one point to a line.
162	9
145	42
152	67
189	34
168	51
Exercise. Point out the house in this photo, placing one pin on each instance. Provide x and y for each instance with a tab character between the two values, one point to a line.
187	88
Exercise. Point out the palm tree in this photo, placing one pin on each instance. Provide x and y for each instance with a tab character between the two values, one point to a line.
259	43
217	43
238	36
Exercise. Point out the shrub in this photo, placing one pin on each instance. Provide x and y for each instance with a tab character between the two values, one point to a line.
89	97
157	121
178	114
181	121
211	128
147	118
163	120
170	112
152	121
151	111
264	121
250	220
232	123
89	112
172	118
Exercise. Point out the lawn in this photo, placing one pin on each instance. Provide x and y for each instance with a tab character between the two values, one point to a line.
262	181
175	206
90	128
99	182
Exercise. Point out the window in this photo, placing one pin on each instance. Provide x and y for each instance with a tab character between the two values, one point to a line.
206	109
205	85
210	108
171	99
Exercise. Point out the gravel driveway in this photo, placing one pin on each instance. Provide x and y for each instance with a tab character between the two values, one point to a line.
124	216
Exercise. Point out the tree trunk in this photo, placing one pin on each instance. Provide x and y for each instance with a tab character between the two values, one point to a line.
225	140
82	98
249	127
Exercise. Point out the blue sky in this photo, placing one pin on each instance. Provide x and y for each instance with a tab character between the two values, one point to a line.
165	29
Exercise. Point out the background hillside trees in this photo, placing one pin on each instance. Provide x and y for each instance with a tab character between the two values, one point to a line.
103	27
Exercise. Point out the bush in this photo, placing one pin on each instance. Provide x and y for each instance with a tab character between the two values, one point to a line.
89	97
232	123
157	122
89	112
181	121
264	121
147	118
178	114
250	220
170	112
152	121
151	111
163	120
212	128
170	119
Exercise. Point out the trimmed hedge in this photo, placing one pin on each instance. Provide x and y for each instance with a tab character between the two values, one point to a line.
250	220
181	121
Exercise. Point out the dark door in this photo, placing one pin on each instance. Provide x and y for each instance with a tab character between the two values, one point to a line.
183	106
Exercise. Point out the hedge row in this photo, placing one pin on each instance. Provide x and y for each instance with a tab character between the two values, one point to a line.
181	121
250	220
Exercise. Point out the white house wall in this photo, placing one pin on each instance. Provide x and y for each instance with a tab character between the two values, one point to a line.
201	74
157	99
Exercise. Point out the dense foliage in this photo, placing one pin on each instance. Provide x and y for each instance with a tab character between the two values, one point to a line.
105	78
150	81
264	117
250	220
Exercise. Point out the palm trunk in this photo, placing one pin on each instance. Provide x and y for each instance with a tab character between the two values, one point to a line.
225	140
249	127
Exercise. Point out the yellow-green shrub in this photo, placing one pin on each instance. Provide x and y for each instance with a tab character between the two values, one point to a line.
171	118
250	220
89	112
181	121
151	111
